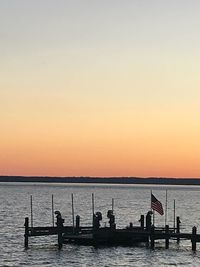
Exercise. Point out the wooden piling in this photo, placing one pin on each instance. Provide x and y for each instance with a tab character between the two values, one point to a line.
72	196
59	228
31	211
174	215
93	215
77	222
166	202
152	237
167	236
26	224
148	221
60	243
52	210
142	222
113	205
194	238
178	228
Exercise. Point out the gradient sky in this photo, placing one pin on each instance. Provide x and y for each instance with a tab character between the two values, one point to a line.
100	88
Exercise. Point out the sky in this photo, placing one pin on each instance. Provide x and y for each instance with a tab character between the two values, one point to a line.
100	88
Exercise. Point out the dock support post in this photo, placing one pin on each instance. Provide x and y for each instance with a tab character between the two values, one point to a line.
142	222
174	214
148	221
52	210
178	228
60	238
194	239
152	237
93	215
113	205
77	223
73	211
31	211
59	224
26	224
167	236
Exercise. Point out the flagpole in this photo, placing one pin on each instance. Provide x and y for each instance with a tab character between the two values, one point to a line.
52	210
166	207
153	210
72	196
93	209
174	213
31	211
112	204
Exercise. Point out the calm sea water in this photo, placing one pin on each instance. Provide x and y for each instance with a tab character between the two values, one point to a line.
130	202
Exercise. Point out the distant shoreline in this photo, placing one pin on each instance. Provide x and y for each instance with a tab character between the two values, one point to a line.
102	180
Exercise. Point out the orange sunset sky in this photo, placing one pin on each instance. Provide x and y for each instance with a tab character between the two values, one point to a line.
100	88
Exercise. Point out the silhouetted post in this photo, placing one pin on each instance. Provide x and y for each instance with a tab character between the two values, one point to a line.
147	241
77	222
174	215
166	202
59	223
167	236
148	220
52	210
194	239
178	228
93	215
113	205
31	211
26	224
152	237
97	219
73	211
111	217
142	222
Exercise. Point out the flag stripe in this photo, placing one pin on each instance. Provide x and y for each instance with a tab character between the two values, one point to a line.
156	205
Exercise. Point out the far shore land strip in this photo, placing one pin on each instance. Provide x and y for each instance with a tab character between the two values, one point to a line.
102	180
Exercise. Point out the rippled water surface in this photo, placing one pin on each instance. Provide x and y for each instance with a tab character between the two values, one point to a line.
130	202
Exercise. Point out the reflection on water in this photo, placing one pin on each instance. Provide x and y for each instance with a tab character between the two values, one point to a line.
130	202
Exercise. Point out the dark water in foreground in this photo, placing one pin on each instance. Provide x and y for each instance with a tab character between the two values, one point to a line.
130	202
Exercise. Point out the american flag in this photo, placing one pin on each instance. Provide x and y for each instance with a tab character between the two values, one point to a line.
156	205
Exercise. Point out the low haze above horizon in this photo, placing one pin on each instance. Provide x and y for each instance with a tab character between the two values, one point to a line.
100	88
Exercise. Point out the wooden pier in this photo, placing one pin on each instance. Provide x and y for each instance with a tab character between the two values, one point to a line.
96	235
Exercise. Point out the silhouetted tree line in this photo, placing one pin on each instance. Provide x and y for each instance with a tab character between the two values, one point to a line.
102	180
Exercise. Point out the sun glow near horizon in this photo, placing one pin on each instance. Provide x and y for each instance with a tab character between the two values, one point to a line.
111	91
